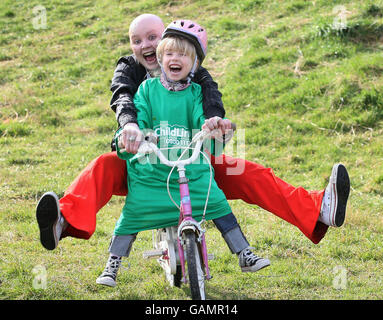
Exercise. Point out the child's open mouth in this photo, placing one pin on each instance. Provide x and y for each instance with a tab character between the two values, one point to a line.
150	57
175	68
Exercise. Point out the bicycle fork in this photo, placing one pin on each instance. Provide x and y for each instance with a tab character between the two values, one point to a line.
187	222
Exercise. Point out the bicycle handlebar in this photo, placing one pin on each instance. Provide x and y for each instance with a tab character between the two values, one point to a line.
149	145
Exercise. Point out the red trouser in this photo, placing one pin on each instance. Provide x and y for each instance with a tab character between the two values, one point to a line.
106	176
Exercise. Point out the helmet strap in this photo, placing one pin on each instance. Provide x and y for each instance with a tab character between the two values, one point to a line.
193	70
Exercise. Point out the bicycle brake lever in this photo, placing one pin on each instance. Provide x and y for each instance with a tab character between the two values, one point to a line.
226	137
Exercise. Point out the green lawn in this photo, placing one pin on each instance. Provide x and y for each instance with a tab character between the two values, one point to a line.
303	78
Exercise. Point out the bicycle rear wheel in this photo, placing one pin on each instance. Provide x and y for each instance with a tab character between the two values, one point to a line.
195	267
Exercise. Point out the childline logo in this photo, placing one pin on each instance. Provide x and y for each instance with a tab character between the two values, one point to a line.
173	135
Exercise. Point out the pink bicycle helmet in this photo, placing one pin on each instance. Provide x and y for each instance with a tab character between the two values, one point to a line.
192	31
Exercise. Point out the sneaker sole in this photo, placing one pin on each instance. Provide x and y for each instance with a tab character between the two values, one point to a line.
47	214
259	265
106	281
343	191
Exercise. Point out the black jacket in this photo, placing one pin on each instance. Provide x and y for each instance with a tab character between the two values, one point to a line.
128	76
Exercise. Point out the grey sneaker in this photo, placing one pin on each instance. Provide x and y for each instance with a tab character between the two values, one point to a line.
333	210
50	220
109	275
249	262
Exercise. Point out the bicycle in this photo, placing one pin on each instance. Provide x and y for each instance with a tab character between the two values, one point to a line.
183	245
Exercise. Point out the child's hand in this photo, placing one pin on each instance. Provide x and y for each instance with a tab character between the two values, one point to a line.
217	123
131	137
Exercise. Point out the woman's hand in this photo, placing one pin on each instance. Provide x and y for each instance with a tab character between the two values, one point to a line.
131	138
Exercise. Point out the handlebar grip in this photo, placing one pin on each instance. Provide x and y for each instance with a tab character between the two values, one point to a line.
228	136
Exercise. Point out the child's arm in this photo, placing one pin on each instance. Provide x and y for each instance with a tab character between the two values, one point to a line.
211	101
127	77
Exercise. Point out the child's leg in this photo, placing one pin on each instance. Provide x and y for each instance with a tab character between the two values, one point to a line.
238	244
255	184
119	247
231	233
90	191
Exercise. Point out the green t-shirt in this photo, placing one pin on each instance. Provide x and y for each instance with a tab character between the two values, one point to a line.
174	116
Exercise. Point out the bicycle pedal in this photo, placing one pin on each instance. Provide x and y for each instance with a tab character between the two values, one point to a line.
152	254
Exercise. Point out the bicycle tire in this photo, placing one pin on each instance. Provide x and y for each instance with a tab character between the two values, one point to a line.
194	266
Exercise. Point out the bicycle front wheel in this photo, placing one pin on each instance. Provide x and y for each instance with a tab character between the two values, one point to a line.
195	266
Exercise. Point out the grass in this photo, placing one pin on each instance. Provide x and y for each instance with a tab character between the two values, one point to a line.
307	93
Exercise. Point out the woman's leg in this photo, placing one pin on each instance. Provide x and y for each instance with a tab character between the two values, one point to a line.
90	191
255	184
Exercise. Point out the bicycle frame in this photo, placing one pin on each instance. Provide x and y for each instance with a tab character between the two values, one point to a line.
187	222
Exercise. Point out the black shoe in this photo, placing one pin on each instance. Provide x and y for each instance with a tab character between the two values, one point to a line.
50	220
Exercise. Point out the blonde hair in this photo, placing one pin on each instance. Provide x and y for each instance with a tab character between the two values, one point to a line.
176	44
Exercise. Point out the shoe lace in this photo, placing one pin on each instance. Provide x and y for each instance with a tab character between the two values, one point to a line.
113	265
249	257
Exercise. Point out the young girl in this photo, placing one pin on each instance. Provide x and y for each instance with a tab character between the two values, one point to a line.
172	106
